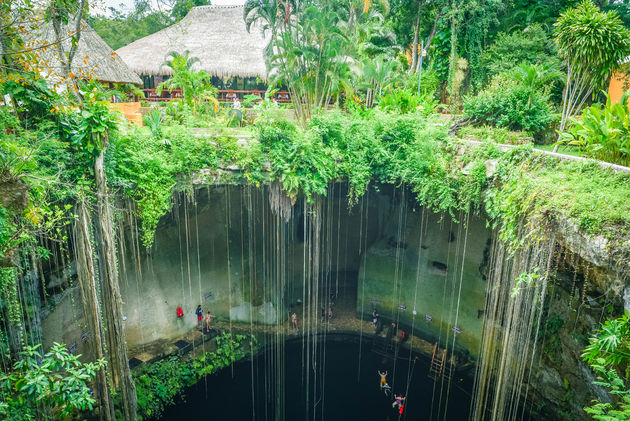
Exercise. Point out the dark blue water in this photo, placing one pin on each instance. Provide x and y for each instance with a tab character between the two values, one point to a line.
350	389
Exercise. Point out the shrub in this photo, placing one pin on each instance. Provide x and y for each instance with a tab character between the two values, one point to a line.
531	45
42	384
403	102
429	85
603	132
154	121
497	135
160	383
506	103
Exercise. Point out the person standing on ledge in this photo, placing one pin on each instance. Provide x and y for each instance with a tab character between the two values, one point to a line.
294	321
199	313
209	321
375	318
180	312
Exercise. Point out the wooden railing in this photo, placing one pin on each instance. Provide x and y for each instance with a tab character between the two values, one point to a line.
224	95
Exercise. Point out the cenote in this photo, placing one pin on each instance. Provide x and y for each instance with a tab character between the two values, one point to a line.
252	257
344	386
319	210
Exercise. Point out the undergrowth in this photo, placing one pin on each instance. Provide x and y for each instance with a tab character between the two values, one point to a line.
445	174
158	384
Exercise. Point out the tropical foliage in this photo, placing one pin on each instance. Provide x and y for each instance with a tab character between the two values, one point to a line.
591	44
194	84
531	45
603	132
315	47
47	386
509	103
607	353
346	54
160	383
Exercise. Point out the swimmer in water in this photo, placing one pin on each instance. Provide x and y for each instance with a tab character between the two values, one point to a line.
398	401
383	378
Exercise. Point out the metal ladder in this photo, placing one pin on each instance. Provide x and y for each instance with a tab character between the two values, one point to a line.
438	364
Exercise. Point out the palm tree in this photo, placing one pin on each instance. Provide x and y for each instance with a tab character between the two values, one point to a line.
264	12
378	74
535	77
195	85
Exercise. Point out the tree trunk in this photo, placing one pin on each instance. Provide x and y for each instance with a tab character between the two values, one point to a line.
414	50
12	311
427	44
452	64
87	282
112	302
61	32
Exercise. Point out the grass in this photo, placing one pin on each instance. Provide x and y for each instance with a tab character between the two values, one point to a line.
594	198
563	149
599	200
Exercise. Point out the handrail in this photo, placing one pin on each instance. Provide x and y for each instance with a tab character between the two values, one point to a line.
224	95
603	164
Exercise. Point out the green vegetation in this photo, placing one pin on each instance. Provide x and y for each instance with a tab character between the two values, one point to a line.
539	189
159	384
507	103
59	152
608	354
194	84
591	44
46	386
146	169
531	45
313	44
603	132
500	135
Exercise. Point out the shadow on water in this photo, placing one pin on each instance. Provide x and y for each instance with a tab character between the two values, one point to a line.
348	390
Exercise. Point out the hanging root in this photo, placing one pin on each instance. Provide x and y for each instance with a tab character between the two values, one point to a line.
517	289
280	203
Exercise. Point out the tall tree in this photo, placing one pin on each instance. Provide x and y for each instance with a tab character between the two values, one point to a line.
66	17
115	334
92	309
592	44
96	124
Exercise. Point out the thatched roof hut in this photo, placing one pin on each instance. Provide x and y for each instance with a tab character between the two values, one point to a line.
94	59
216	35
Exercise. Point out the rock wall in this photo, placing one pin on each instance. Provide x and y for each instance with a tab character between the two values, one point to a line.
218	248
427	273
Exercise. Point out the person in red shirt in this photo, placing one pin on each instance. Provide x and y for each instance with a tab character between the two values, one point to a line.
180	312
199	313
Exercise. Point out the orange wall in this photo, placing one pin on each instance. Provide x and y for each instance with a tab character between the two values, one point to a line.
616	87
131	110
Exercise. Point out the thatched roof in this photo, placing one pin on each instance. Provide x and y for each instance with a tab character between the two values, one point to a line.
94	58
216	35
